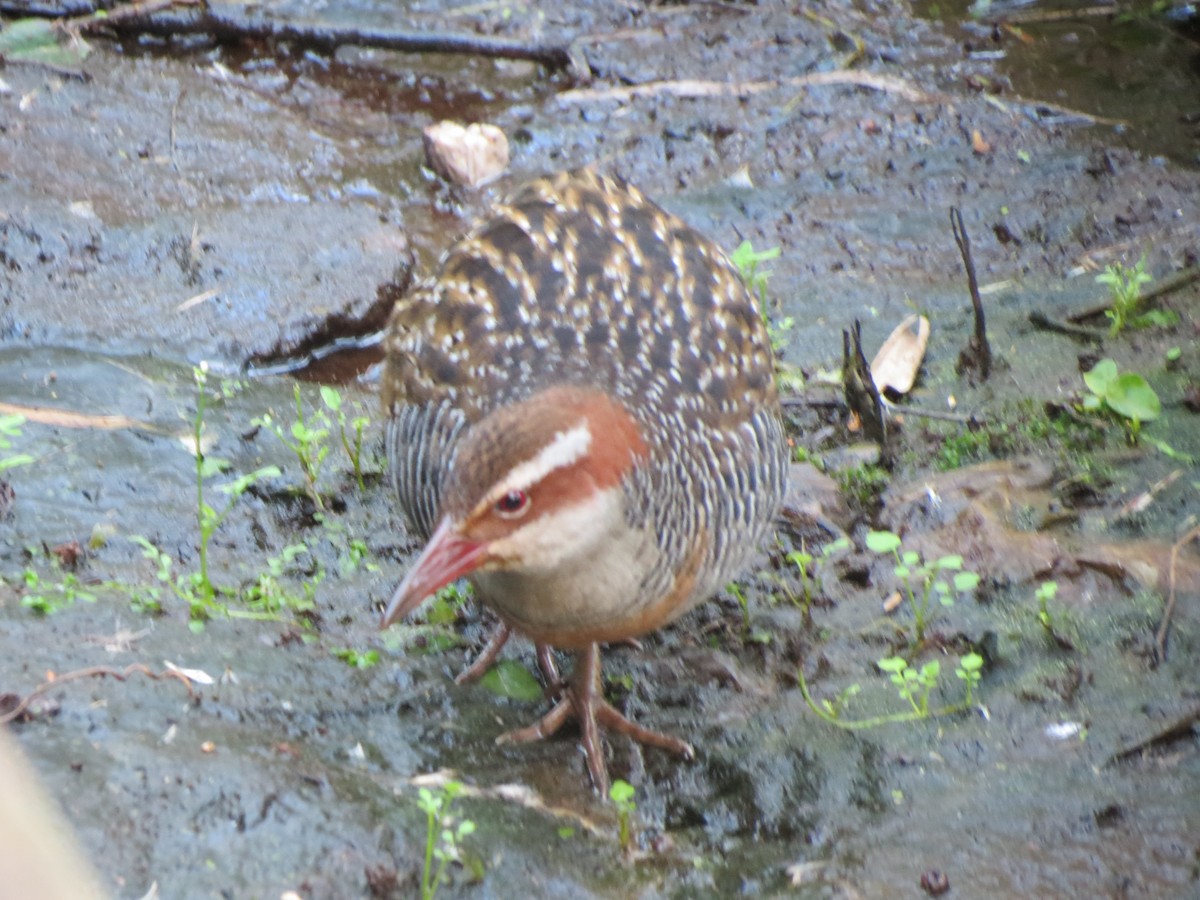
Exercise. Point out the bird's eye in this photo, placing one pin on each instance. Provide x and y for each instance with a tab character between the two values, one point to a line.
512	504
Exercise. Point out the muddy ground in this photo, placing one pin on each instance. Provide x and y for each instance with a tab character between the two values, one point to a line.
241	204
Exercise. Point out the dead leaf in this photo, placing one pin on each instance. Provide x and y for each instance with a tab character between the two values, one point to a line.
68	554
472	155
978	144
199	676
892	603
896	364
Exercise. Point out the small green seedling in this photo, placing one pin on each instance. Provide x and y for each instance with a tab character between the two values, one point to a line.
622	793
833	709
351	431
10	427
914	685
1125	287
357	659
1061	633
443	837
352	553
970	671
202	598
149	599
270	593
48	597
922	580
1045	593
1127	396
306	439
810	581
749	633
748	261
435	634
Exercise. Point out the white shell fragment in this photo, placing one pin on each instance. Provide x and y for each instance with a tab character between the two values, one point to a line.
472	155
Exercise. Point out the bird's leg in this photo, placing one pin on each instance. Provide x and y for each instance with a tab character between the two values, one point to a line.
585	700
487	656
554	682
495	643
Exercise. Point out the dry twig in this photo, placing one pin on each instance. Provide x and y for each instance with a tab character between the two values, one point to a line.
1164	627
978	352
693	88
22	704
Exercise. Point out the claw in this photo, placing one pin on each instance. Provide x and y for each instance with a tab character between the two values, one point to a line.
584	700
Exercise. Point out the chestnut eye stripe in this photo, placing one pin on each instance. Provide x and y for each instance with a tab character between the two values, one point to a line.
565	449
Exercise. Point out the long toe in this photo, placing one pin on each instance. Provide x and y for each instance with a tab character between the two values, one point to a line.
478	668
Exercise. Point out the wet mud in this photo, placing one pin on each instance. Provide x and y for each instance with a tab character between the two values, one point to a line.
247	206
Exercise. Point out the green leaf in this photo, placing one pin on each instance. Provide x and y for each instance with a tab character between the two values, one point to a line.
966	581
331	398
1101	376
745	256
972	662
882	541
1156	318
508	678
357	659
17	459
1163	447
213	465
1130	396
238	486
621	792
893	664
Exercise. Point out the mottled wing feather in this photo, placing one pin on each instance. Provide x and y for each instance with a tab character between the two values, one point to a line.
579	279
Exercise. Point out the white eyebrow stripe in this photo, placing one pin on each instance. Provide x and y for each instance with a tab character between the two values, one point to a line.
566	448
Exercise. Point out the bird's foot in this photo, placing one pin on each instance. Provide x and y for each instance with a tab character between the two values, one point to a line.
584	700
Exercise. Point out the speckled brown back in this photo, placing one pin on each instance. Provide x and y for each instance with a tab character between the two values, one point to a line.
581	278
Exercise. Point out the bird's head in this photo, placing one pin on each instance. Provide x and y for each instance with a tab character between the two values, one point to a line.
534	486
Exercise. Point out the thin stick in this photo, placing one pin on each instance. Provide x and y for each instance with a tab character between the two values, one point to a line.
225	26
65	418
1041	320
94	672
1164	627
920	413
699	88
978	352
1054	15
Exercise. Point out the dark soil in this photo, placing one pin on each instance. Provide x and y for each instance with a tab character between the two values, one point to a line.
248	204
